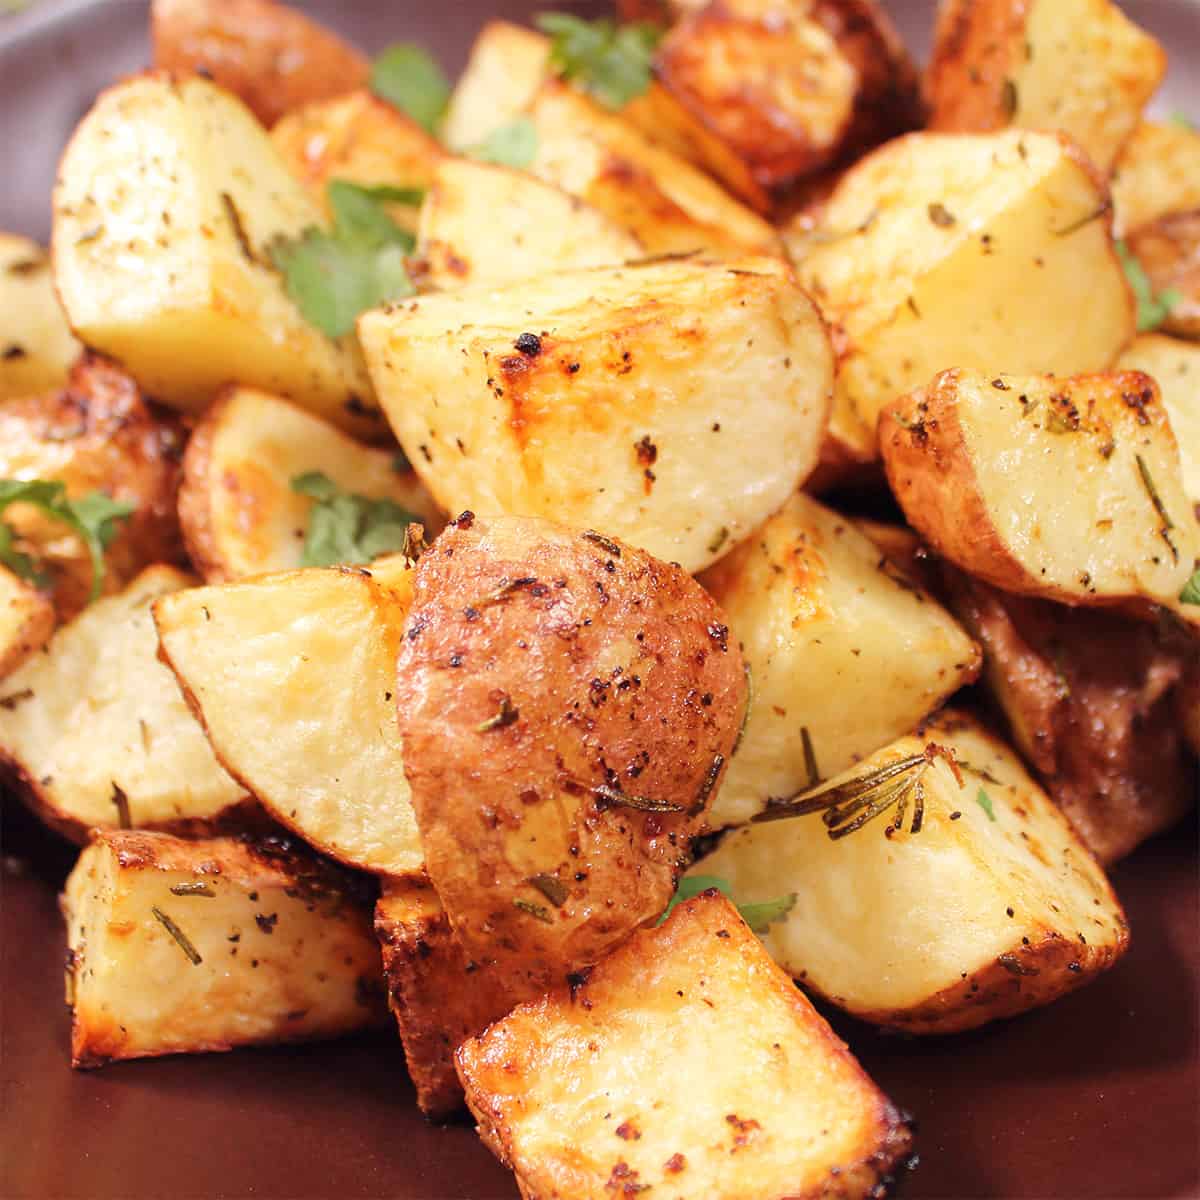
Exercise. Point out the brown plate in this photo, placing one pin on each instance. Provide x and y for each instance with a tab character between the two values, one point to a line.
1096	1096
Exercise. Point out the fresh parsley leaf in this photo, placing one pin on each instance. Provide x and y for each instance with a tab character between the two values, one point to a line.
985	802
757	916
344	527
1191	589
760	916
513	144
1182	119
409	78
93	518
612	62
1152	310
359	212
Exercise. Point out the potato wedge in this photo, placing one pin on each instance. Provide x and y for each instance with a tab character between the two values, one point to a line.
26	622
684	1062
1158	173
981	466
36	346
510	401
176	947
292	678
941	250
438	995
133	753
168	199
1077	66
1169	252
985	905
271	55
239	513
488	225
567	704
842	649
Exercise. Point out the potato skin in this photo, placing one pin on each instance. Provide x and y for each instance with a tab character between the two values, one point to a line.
540	672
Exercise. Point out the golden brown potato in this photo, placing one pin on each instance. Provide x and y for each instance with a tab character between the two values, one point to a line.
1169	251
1067	489
96	434
903	550
438	995
845	654
239	512
603	398
176	947
1158	173
271	55
1077	66
686	1063
36	346
968	897
567	705
26	621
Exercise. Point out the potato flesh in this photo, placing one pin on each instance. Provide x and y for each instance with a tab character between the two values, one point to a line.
36	346
580	1092
278	962
924	931
632	374
1158	173
837	644
26	621
293	678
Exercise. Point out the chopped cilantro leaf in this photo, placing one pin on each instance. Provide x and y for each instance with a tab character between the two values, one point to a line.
1191	589
757	916
513	144
612	62
985	802
345	527
1152	310
408	77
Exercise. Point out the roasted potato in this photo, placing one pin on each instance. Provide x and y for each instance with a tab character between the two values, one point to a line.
985	905
486	224
687	1063
292	678
1169	252
1066	489
26	622
1088	697
1157	174
511	401
269	54
239	512
36	347
1077	66
95	733
95	435
169	198
845	653
438	995
539	673
941	250
175	947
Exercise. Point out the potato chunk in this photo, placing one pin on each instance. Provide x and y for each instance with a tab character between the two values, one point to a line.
169	197
842	649
36	346
603	398
941	250
292	677
176	947
1169	252
983	905
239	511
269	54
95	730
687	1063
26	621
485	224
567	704
1158	173
1077	66
1067	489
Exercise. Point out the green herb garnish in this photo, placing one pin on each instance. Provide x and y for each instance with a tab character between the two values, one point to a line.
534	910
985	802
1191	590
611	62
180	937
513	144
1183	120
551	887
192	889
810	758
1164	530
758	916
506	714
407	77
1152	310
346	528
121	804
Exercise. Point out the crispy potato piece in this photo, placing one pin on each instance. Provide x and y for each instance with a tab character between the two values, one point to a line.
361	138
589	1092
567	704
939	251
485	224
438	996
36	346
26	621
96	723
904	551
176	947
499	415
1067	489
291	676
1169	251
990	906
841	648
1088	697
168	199
96	434
239	513
1077	66
1158	173
271	55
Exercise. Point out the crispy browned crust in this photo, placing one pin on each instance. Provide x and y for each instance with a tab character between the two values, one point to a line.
546	674
1169	250
32	630
195	494
269	54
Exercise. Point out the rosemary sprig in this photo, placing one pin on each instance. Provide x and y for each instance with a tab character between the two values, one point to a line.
611	797
1160	508
184	943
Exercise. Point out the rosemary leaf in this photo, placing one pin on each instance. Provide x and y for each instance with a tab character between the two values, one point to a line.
180	937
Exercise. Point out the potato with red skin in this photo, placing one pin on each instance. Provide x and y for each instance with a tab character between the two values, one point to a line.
567	704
